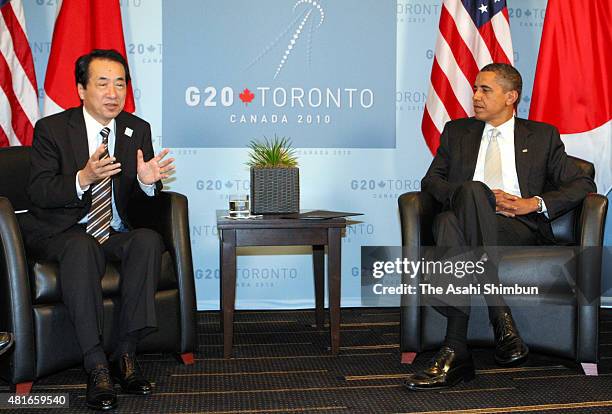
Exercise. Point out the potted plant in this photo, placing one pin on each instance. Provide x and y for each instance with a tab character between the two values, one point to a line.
275	180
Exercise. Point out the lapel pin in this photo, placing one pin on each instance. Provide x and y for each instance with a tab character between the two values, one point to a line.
524	149
128	131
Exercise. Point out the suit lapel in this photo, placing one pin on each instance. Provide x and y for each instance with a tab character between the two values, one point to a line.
121	145
77	134
521	155
471	147
120	138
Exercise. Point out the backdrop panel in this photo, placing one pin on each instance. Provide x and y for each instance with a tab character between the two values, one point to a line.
322	73
361	160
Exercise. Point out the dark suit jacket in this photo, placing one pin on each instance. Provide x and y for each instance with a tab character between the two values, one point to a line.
59	150
542	166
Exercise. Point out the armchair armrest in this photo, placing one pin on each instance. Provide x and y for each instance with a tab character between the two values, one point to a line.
590	227
167	213
15	301
590	234
417	211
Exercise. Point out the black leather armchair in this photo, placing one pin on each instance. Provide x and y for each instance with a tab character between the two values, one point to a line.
30	295
562	322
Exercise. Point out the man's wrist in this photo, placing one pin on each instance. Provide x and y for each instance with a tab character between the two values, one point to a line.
80	189
140	180
82	180
539	204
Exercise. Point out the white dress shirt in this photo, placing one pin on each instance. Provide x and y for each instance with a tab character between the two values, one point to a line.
94	139
508	159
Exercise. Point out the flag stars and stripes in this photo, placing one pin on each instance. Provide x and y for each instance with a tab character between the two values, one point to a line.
18	91
472	33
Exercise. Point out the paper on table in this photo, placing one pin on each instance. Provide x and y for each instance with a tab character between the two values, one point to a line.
326	214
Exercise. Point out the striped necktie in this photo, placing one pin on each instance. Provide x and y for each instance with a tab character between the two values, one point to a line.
492	167
98	221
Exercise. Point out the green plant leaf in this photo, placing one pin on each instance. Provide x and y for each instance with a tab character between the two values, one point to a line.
275	153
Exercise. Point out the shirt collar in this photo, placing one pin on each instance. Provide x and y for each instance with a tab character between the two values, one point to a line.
506	129
94	127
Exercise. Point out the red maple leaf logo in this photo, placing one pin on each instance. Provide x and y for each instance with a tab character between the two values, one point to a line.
246	96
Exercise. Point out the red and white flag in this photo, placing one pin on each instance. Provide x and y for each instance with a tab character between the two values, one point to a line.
18	91
573	83
472	34
81	25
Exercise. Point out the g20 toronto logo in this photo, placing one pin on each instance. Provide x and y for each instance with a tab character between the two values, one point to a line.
319	71
279	98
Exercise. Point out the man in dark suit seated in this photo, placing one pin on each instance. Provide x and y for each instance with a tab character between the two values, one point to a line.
500	180
6	340
87	163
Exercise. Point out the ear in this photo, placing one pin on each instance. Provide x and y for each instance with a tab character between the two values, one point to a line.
511	98
81	91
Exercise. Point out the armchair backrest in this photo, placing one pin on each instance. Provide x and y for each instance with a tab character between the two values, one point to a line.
587	167
564	227
14	175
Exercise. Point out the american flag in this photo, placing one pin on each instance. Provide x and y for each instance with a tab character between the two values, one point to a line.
472	33
18	91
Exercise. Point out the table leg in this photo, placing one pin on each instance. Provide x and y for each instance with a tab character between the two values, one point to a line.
228	288
333	280
221	277
318	265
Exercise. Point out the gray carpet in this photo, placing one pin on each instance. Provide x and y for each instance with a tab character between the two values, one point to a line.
282	365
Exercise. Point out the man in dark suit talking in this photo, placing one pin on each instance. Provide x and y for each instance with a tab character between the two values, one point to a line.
87	163
500	180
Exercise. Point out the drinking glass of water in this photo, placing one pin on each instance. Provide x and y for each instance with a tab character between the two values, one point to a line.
239	206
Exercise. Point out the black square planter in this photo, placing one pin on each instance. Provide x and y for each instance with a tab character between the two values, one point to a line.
275	190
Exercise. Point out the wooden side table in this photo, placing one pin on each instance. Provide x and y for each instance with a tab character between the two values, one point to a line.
276	231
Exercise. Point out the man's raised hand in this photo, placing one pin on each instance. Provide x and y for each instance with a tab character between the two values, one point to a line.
155	169
97	169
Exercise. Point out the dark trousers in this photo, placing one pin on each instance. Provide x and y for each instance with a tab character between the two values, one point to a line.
467	228
82	263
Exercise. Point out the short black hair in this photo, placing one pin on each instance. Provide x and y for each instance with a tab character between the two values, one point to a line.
508	77
81	68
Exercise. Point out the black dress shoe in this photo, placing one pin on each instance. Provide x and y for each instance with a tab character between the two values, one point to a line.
100	392
510	350
126	372
6	340
445	370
